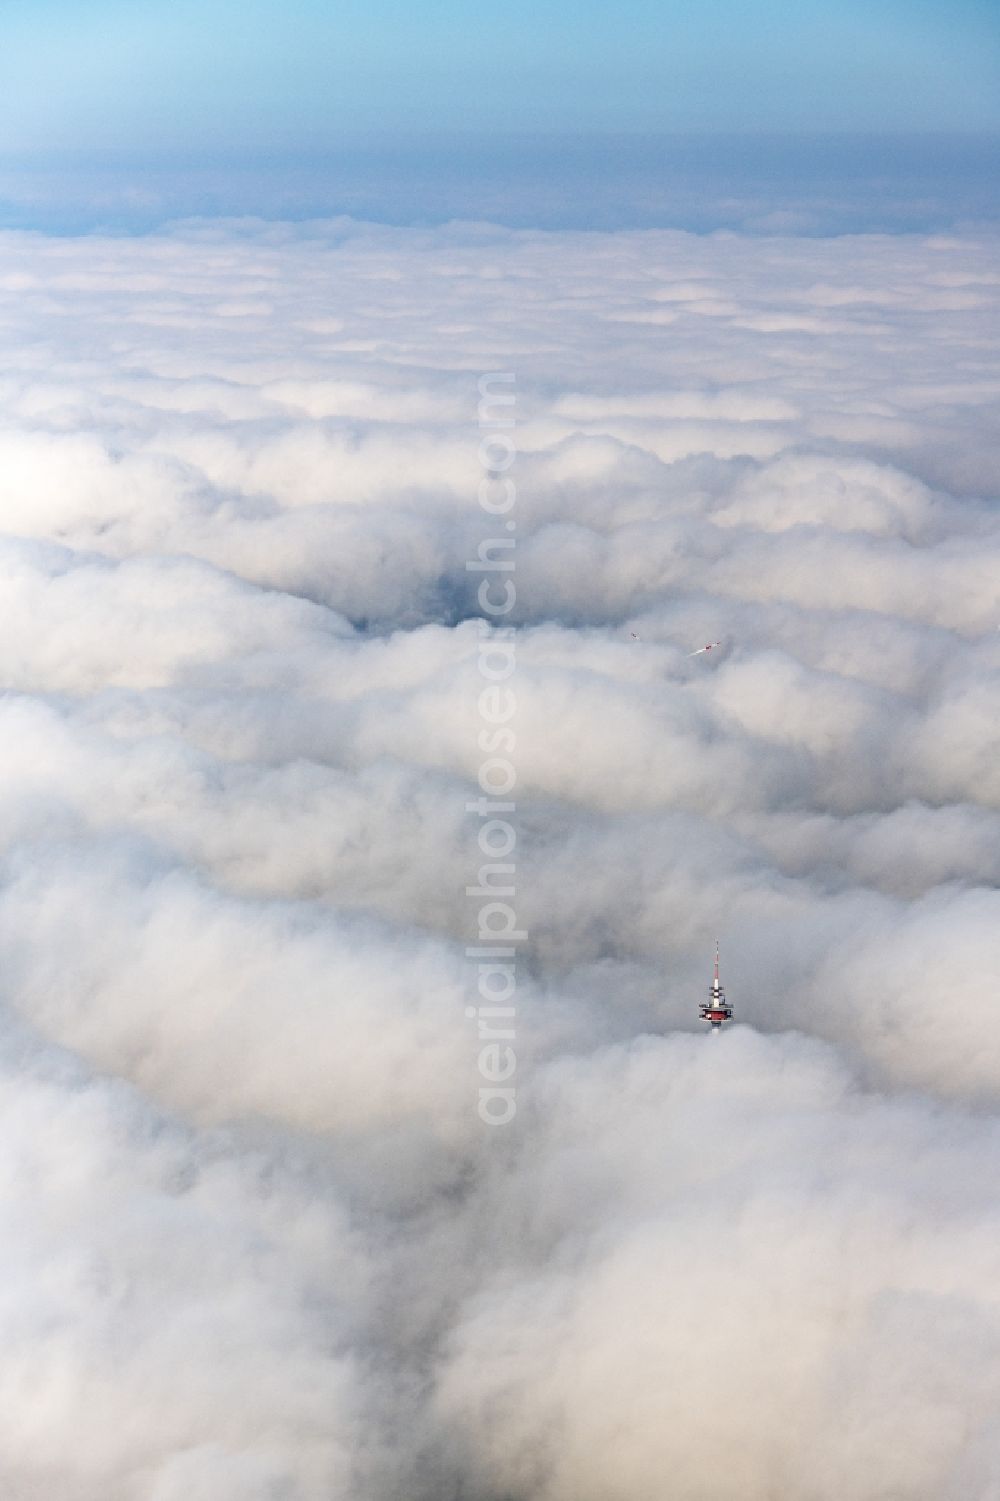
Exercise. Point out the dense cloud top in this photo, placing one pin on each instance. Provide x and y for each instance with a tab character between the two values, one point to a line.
259	1241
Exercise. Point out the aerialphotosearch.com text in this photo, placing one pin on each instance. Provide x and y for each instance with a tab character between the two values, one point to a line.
494	956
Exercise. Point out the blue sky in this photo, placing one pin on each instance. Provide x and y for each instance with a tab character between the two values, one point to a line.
362	105
300	75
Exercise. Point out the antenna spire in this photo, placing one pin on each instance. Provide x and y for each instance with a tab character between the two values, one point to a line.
716	1010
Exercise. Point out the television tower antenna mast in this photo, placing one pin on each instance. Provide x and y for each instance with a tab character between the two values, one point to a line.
716	1010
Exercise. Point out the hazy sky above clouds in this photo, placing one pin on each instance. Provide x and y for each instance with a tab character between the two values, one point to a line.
218	75
456	110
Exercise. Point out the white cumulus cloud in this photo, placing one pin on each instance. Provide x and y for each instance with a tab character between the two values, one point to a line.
258	1242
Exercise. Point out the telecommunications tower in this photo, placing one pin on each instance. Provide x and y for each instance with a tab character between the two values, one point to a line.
716	1010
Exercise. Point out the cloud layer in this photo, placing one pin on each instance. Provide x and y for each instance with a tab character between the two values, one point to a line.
259	1242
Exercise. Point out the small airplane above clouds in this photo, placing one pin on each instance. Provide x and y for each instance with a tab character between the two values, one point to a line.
709	646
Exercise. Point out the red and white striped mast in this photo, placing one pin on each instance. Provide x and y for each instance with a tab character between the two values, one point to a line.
716	1010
